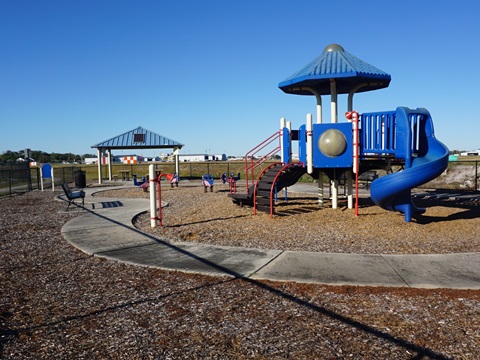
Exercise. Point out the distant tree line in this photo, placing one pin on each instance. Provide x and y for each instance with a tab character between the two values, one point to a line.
12	157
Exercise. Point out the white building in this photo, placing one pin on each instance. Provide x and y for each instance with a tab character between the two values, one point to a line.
201	157
94	160
131	159
471	153
124	159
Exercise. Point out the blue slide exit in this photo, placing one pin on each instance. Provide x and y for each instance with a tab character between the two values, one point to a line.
393	191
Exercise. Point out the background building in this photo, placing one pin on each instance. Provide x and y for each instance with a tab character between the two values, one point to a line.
202	157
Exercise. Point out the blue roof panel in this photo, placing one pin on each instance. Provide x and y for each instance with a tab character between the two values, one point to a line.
335	63
138	138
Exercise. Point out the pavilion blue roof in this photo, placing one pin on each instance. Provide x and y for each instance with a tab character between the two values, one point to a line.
335	63
138	138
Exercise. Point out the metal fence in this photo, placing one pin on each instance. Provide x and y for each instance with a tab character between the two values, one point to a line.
20	178
463	175
60	175
460	175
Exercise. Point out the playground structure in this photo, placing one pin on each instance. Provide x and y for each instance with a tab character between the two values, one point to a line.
232	181
172	179
144	182
377	140
155	184
207	182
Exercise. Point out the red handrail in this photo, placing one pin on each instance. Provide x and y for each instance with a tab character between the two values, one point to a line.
250	156
159	197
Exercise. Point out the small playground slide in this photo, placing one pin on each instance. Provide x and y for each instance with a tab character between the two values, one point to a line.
393	191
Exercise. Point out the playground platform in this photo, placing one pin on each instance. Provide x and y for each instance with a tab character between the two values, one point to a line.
105	230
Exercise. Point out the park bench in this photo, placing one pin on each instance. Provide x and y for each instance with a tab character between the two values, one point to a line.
73	195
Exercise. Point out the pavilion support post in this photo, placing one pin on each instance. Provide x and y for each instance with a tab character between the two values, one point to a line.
99	164
110	164
176	151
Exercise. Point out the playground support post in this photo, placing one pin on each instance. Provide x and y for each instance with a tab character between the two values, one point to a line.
352	93
356	163
334	190
319	103
349	109
153	200
333	101
320	190
349	190
289	127
283	123
309	154
353	116
334	119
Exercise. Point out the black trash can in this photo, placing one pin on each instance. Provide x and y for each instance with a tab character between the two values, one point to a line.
80	179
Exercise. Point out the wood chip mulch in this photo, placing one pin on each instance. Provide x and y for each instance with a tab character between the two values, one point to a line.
59	303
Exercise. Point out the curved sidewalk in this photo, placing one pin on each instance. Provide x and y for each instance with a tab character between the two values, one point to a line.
106	230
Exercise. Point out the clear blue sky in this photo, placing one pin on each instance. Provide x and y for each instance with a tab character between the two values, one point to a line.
206	73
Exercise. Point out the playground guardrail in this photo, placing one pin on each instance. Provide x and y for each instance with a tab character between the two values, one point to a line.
378	132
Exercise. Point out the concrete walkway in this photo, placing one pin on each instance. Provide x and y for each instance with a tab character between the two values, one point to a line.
106	230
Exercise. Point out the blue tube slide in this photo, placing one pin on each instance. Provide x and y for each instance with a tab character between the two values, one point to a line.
393	191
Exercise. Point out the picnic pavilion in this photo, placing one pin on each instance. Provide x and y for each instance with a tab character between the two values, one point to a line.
138	138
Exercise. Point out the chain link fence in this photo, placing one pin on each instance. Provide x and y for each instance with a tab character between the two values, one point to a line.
20	178
58	176
460	175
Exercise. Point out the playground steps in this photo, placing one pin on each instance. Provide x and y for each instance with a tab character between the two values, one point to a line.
243	199
264	187
286	177
263	190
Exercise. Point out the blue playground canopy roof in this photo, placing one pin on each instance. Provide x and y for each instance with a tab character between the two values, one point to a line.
138	138
335	63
